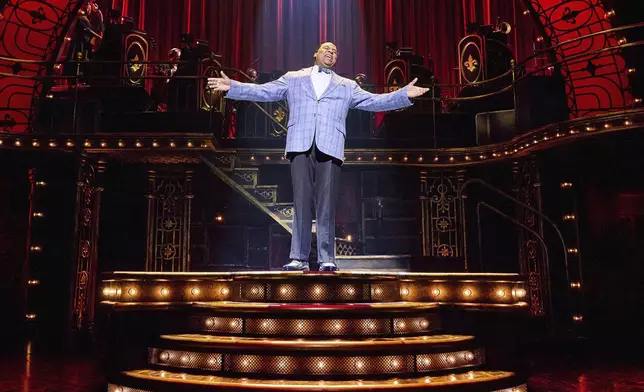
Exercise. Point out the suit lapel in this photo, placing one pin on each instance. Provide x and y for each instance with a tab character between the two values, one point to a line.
335	82
308	83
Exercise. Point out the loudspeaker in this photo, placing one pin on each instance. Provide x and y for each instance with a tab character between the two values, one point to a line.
541	100
495	127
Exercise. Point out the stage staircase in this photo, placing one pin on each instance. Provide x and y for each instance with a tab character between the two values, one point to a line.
245	179
305	331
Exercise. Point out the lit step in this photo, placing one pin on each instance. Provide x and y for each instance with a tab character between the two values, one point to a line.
299	358
477	380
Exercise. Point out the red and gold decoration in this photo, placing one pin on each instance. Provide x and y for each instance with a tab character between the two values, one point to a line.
88	202
169	205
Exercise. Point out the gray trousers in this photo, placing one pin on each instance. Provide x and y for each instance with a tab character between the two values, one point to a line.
315	177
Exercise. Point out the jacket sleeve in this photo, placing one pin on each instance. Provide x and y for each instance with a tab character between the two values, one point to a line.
267	92
364	100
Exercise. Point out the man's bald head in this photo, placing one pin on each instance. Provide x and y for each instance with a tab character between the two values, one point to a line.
326	55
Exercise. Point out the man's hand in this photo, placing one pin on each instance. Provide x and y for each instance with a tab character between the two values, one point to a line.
413	91
221	84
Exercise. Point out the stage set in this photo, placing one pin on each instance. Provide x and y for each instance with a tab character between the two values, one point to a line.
493	226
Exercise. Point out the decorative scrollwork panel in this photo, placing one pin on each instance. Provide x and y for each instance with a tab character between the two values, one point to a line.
442	224
169	206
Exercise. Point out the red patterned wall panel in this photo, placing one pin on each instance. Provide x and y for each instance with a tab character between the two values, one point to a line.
30	30
595	70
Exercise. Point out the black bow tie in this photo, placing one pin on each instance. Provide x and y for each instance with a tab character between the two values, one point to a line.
325	70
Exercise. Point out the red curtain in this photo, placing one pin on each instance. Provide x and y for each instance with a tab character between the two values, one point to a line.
283	34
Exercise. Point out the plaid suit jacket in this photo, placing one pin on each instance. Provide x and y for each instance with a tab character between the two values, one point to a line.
310	118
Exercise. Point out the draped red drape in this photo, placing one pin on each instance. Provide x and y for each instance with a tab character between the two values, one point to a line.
283	34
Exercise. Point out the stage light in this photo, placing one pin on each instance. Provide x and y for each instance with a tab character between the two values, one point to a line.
609	14
622	41
138	144
17	143
87	143
451	159
637	100
519	293
155	144
390	158
33	282
374	158
173	144
38	215
219	218
481	156
252	157
569	217
539	39
575	285
121	143
35	143
526	12
52	144
607	126
631	70
359	158
268	157
628	123
573	250
103	144
467	157
30	316
190	144
36	248
70	143
566	185
405	158
577	318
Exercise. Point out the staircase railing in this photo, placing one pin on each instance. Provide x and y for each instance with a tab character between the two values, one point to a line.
533	210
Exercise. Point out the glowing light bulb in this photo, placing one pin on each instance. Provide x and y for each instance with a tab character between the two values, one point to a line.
164	356
436	292
404	291
519	293
467	292
195	291
225	290
132	291
165	292
500	293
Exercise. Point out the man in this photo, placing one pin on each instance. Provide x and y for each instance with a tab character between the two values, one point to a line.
318	101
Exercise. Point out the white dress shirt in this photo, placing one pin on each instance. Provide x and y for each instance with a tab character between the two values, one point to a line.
320	80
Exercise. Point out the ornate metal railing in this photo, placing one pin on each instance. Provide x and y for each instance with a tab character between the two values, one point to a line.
243	120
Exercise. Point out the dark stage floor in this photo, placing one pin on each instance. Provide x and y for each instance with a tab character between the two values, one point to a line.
577	368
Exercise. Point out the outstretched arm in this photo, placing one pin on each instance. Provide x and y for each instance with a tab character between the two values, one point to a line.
267	92
364	100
